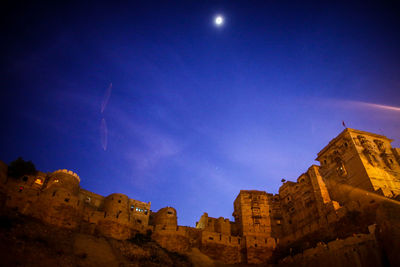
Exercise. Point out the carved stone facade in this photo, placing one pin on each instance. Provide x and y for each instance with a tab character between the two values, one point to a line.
359	172
367	162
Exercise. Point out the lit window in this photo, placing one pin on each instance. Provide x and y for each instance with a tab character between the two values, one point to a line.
56	180
39	181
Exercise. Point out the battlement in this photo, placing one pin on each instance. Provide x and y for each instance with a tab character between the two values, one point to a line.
68	172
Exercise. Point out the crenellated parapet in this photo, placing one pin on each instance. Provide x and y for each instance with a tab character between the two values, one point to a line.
68	172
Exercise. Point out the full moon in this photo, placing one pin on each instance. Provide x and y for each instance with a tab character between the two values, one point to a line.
219	20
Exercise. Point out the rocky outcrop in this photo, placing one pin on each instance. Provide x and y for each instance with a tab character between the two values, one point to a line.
25	241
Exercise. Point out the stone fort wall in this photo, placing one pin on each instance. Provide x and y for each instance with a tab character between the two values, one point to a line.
359	172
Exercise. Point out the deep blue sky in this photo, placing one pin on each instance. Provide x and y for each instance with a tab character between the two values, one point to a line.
196	112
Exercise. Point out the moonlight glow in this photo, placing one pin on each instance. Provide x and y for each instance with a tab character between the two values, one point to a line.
219	20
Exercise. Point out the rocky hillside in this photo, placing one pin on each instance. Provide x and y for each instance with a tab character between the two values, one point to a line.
25	241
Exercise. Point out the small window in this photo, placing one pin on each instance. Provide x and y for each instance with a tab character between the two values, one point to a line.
66	200
391	161
56	181
132	207
255	245
170	212
145	212
139	221
39	181
119	201
25	178
324	161
211	238
346	145
54	193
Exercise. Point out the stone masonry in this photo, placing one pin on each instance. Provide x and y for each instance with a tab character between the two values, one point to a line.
359	172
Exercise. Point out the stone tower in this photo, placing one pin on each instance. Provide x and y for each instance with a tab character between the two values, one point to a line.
252	213
58	202
359	162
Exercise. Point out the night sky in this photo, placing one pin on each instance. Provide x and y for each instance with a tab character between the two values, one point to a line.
153	100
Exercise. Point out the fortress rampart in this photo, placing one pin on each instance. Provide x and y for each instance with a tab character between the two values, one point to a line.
359	175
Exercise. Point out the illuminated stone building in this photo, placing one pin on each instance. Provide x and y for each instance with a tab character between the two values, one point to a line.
362	161
359	175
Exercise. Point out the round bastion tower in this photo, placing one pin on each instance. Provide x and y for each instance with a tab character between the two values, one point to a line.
58	203
165	218
116	221
116	208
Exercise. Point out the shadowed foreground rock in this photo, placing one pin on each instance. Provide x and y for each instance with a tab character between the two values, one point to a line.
28	242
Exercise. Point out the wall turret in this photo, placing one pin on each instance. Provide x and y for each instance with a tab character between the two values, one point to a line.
116	207
65	179
166	218
59	201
